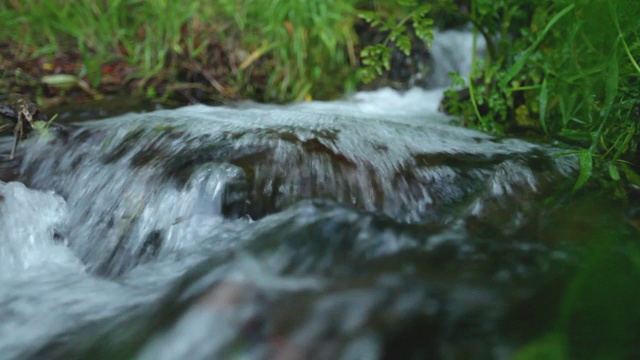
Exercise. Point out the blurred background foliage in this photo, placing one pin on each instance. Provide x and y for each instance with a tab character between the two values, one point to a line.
566	68
277	50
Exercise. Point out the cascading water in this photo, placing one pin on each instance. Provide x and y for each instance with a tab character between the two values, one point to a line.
447	57
366	228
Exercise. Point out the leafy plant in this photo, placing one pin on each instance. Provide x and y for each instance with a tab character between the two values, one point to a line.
563	68
377	58
42	128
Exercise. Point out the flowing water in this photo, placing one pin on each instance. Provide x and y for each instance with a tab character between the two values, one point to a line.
365	228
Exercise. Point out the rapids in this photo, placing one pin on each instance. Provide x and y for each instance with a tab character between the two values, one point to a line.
319	230
362	228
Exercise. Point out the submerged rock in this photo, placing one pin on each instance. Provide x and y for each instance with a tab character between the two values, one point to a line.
320	281
119	175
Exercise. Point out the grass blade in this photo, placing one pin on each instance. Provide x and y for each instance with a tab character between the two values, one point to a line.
614	173
515	69
624	42
631	175
586	168
544	100
611	84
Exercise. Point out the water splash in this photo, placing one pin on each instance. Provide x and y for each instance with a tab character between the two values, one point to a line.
138	181
190	233
30	223
451	52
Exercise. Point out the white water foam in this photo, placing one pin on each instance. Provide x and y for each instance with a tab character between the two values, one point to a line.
28	222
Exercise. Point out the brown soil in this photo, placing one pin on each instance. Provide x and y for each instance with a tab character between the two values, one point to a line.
208	78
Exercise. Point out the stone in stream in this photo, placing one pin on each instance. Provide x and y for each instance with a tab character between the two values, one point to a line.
315	281
320	281
119	175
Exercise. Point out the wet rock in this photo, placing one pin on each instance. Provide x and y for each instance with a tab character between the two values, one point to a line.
235	163
9	169
320	281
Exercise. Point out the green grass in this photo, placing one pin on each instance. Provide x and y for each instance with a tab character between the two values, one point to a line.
277	50
144	33
565	68
307	47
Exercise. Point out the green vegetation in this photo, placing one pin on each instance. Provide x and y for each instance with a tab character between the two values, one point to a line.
598	315
142	33
305	47
269	50
377	58
565	67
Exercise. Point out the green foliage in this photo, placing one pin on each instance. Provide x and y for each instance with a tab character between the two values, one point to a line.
550	347
586	168
143	33
278	50
566	68
376	59
42	129
306	48
603	295
597	315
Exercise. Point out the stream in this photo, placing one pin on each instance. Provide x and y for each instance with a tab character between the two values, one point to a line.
364	228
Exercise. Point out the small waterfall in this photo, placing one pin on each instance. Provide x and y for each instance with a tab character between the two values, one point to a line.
430	67
368	226
147	185
451	51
